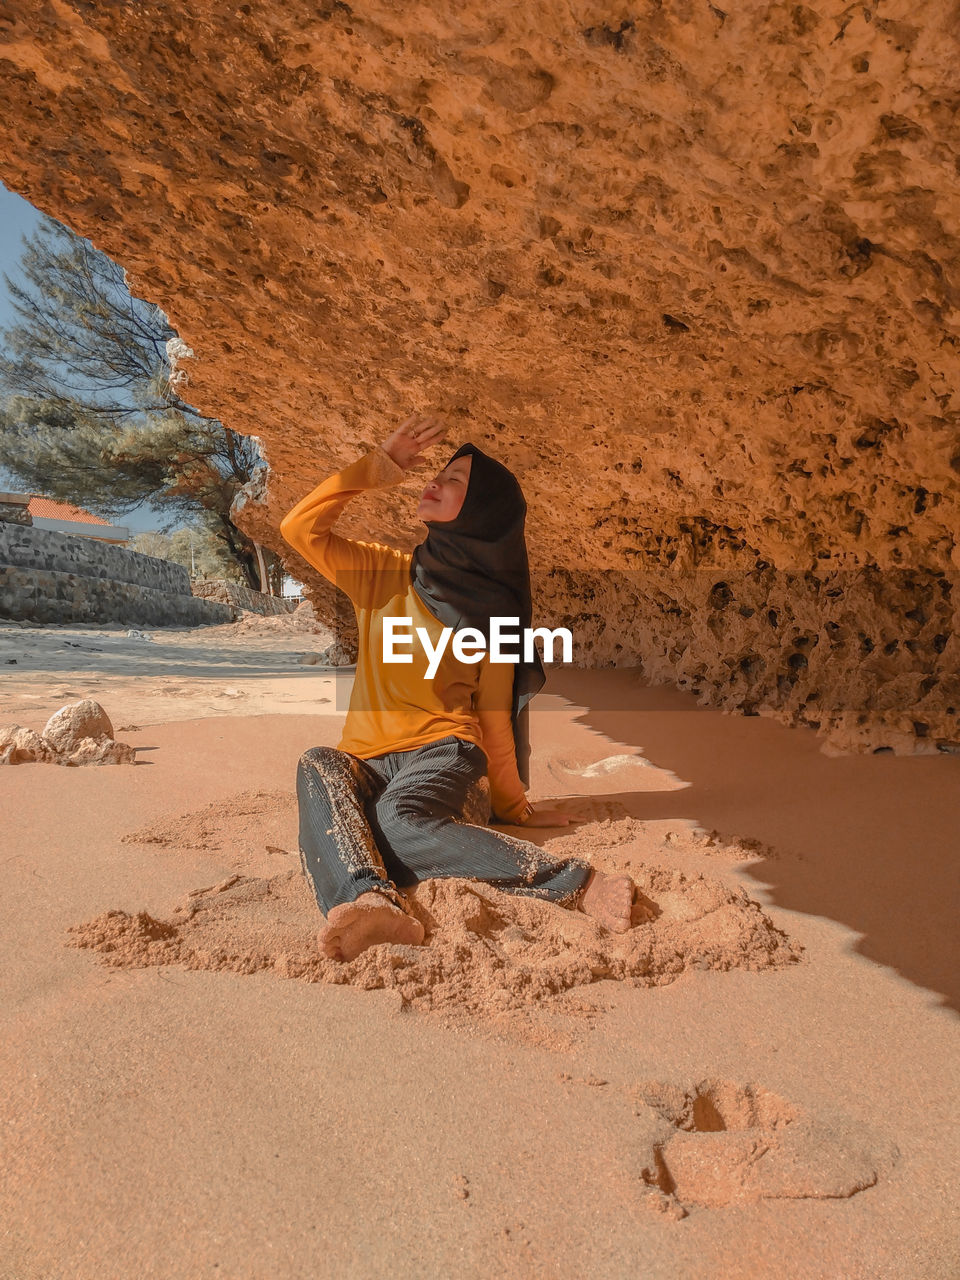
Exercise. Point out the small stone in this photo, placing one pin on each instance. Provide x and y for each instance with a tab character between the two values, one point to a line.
337	655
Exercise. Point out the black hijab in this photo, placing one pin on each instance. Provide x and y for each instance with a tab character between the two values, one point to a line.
475	567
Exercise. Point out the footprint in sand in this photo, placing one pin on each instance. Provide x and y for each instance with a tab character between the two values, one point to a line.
724	1143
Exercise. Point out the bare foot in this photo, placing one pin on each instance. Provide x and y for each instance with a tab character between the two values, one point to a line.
368	920
608	900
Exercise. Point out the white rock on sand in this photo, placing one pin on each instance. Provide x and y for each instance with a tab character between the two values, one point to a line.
76	721
79	733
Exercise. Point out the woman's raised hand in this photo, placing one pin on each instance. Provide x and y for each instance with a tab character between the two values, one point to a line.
417	433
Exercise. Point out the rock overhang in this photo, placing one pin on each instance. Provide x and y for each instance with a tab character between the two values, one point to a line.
690	273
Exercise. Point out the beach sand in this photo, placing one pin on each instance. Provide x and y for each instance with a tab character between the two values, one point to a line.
759	1079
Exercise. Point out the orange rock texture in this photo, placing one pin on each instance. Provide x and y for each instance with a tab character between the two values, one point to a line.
690	271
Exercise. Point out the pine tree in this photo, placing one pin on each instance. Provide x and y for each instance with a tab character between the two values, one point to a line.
91	410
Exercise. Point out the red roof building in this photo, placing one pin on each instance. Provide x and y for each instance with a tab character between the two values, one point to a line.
64	517
47	509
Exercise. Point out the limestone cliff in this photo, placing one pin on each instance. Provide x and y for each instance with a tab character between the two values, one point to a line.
691	272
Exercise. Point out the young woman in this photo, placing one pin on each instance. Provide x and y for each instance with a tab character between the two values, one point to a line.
388	807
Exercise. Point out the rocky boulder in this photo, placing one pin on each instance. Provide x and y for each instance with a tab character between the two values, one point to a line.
79	733
68	727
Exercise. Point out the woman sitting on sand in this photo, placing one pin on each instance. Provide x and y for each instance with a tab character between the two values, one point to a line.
386	808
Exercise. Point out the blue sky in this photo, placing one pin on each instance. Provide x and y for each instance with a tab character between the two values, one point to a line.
18	218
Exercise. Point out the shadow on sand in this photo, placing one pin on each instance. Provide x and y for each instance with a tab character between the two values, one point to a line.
873	839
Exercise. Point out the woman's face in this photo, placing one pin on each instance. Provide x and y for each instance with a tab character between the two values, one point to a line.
443	497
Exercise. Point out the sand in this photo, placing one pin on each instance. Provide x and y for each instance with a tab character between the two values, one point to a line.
757	1079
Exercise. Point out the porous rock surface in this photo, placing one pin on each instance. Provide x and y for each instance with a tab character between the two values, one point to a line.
79	733
689	270
68	727
23	746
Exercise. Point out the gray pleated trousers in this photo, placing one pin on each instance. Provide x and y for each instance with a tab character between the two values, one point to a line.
405	816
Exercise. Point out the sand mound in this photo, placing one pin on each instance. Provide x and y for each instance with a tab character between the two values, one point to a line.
715	845
728	1144
609	829
485	951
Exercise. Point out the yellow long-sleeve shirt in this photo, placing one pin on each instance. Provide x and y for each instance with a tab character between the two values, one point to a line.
393	706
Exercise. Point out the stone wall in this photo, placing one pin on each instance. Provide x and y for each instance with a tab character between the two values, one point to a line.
243	598
14	509
32	548
48	577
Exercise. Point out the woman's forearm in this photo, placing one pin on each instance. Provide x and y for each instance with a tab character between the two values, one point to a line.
308	527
